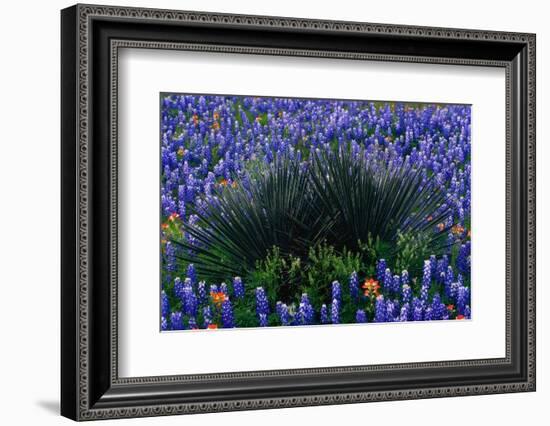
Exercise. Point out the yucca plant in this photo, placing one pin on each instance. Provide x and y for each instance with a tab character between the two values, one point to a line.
367	199
272	207
340	199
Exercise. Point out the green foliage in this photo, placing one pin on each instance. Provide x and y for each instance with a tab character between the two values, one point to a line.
325	265
412	249
285	278
291	228
279	275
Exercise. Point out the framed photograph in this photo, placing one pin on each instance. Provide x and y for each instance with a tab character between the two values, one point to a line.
263	212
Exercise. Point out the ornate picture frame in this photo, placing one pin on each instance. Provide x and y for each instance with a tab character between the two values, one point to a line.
91	37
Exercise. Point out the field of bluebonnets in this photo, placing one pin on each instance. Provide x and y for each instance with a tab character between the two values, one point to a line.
287	212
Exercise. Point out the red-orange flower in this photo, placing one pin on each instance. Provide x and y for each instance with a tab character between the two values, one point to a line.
195	119
212	326
164	225
173	217
371	286
441	226
450	307
216	115
218	297
460	317
457	229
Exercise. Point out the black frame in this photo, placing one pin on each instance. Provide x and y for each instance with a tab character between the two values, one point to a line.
91	37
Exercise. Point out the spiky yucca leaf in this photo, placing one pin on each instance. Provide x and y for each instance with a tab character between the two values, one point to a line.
367	198
274	206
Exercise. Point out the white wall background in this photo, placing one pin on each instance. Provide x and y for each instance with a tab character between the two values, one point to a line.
30	228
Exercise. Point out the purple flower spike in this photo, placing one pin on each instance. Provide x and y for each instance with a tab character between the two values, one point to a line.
227	314
360	316
262	306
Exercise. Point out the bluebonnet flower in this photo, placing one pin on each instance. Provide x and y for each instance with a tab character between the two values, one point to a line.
353	286
305	310
207	316
463	259
360	316
404	278
201	290
336	291
176	320
164	304
433	264
467	312
396	284
284	315
227	314
192	321
238	287
262	306
380	310
163	323
381	270
191	274
390	310
388	280
417	309
170	254
441	272
324	314
189	299
178	289
449	279
335	311
406	293
462	299
439	310
405	312
427	274
428	314
223	289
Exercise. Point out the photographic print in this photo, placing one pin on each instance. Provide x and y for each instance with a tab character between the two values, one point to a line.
278	211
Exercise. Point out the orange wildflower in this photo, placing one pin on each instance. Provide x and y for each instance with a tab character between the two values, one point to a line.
164	225
441	226
195	119
450	307
371	286
216	125
173	217
223	182
460	317
212	326
218	297
457	229
216	116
